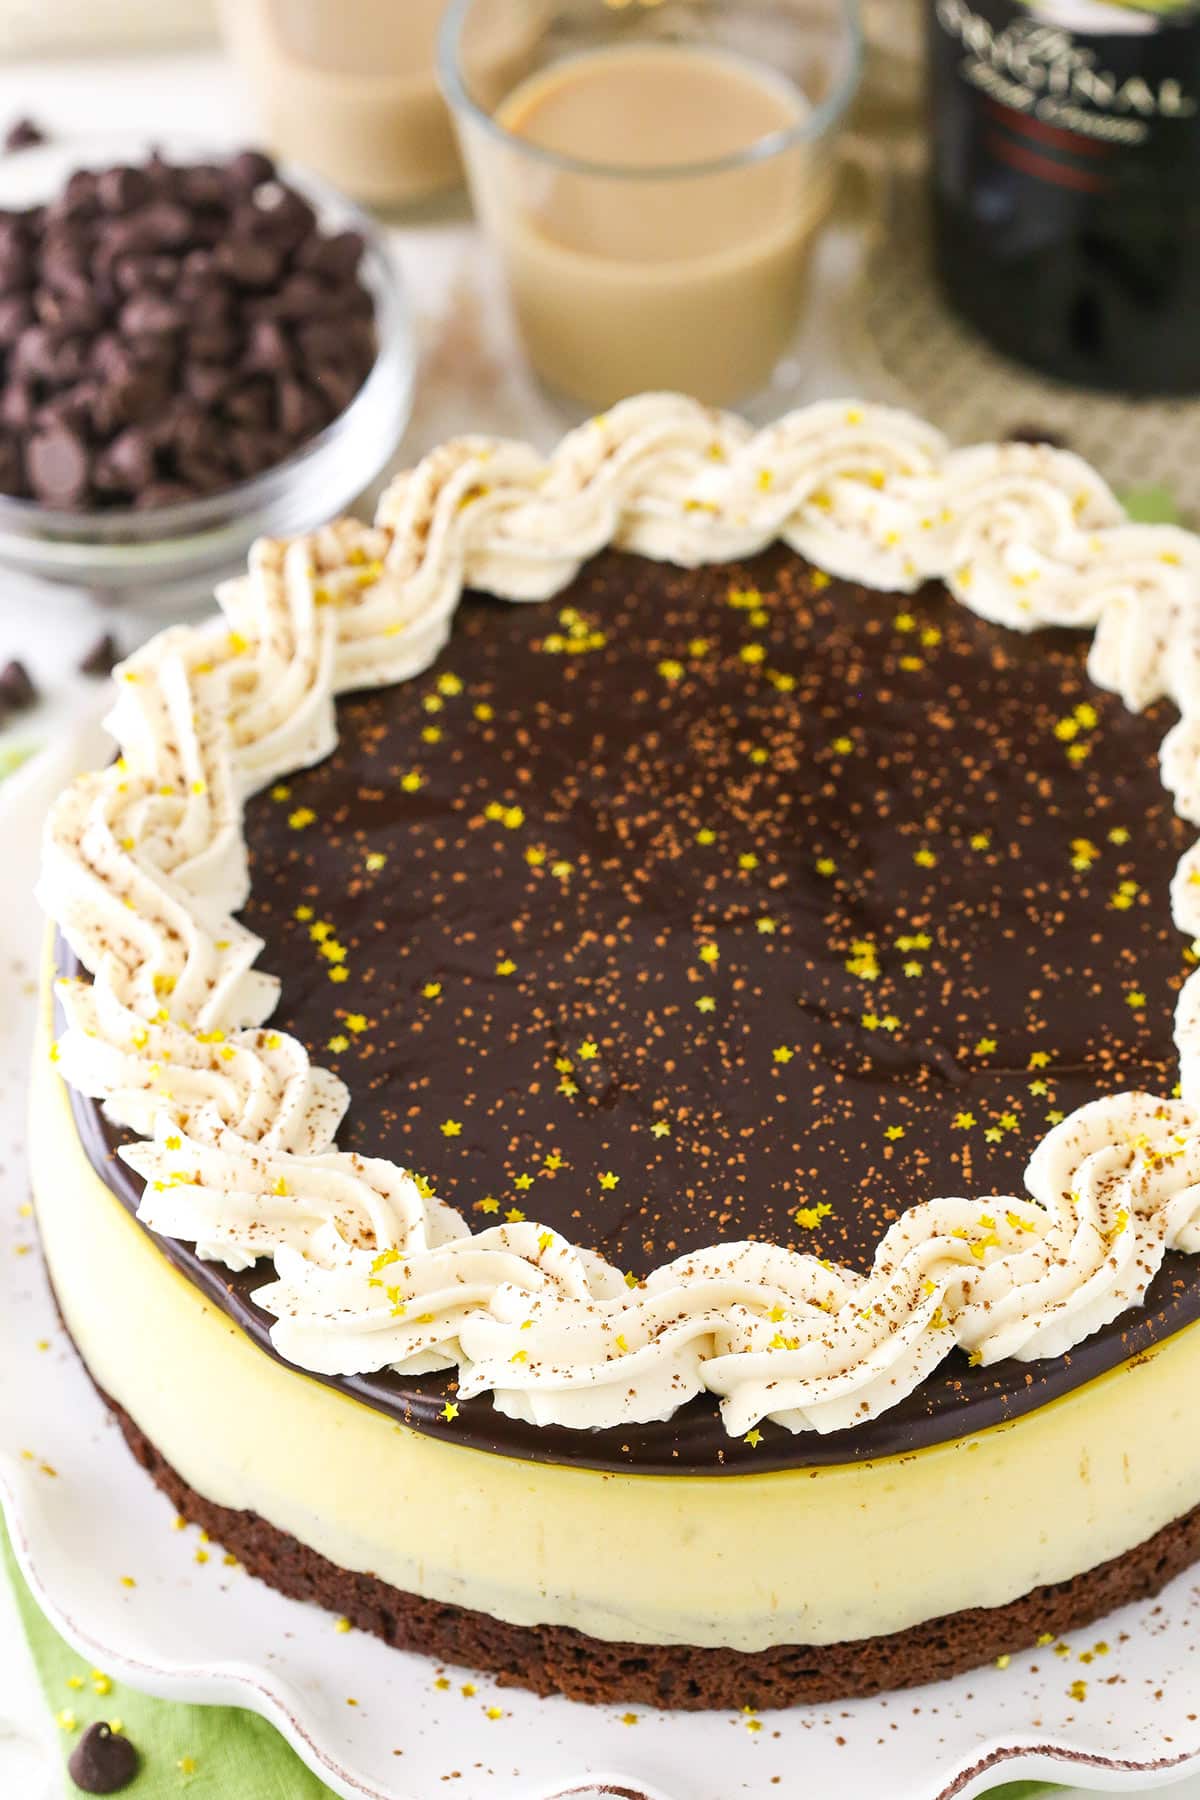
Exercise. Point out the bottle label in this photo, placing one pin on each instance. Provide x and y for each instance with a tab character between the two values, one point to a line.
1069	84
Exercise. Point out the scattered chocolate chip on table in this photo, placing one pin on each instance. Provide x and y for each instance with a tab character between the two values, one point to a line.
103	1761
102	658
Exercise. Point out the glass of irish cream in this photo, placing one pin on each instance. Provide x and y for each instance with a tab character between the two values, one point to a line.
652	179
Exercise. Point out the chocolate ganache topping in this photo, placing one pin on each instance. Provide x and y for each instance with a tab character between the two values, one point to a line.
724	904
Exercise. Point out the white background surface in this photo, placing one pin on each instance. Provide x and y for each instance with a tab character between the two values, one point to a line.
467	381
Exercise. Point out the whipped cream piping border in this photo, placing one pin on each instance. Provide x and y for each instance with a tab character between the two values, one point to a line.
145	863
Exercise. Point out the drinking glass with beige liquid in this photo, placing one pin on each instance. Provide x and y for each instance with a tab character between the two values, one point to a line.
654	180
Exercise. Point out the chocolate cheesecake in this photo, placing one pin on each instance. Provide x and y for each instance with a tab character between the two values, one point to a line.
677	950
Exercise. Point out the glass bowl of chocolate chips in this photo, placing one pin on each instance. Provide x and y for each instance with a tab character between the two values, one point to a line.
194	352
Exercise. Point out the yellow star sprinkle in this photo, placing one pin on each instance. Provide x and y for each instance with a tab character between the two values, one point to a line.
451	1128
489	1204
431	990
963	1121
843	745
356	1021
339	974
1136	998
608	1179
765	926
752	653
893	1132
706	1004
338	1044
1055	1118
670	670
412	781
810	1216
302	816
588	1050
708	953
985	1047
484	712
449	684
523	1182
1039	1059
783	1054
660	1129
514	1215
753	1438
506	966
747	860
705	836
376	860
981	840
826	866
1118	835
924	858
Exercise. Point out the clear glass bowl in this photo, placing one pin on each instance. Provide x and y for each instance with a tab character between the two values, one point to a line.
176	554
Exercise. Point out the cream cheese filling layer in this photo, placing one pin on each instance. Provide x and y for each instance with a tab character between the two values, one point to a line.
806	1556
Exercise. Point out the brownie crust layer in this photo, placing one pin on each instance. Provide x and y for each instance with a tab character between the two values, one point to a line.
551	1659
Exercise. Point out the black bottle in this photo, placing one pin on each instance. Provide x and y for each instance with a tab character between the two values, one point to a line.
1066	183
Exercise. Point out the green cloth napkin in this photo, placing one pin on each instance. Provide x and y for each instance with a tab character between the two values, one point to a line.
195	1752
187	1752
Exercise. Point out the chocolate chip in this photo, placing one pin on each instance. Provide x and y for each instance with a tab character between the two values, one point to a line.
163	493
250	169
58	466
251	265
150	315
23	135
1036	434
337	257
206	382
121	190
283	214
103	1761
103	656
300	411
268	351
17	691
17	406
337	388
12	467
250	404
128	463
15	314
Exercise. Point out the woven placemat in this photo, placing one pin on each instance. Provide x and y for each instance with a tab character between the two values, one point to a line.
907	346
